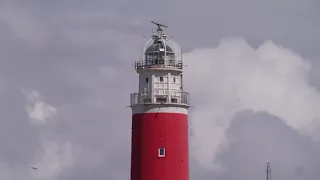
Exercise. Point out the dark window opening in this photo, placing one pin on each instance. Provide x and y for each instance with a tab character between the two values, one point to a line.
174	79
161	100
174	100
147	80
161	152
161	79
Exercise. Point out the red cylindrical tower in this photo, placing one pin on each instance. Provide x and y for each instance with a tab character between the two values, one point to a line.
160	115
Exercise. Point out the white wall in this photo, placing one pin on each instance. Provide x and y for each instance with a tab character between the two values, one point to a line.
171	81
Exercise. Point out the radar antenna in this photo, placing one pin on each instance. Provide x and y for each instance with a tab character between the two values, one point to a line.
159	24
159	29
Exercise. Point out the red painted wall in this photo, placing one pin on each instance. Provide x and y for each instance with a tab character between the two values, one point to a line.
151	131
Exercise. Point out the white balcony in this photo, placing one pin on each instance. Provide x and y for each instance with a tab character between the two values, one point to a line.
158	64
178	98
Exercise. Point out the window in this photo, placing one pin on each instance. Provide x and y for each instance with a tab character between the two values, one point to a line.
174	79
174	100
161	79
161	100
161	152
147	80
149	57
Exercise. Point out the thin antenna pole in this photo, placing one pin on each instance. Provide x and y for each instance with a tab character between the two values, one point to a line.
269	177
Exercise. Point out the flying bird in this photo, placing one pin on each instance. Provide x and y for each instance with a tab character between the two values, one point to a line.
34	168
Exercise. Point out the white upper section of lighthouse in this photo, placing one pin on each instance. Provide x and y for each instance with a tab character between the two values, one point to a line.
160	54
160	74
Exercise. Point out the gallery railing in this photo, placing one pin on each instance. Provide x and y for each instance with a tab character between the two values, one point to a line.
156	98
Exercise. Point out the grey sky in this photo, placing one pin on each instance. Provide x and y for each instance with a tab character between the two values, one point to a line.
66	75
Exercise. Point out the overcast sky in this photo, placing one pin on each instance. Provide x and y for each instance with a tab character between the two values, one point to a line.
66	74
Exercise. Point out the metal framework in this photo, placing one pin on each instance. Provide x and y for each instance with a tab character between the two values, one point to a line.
139	65
151	60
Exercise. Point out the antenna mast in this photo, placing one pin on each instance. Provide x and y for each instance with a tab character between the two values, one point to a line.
269	177
159	29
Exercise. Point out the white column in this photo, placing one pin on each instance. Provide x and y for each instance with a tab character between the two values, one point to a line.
152	89
169	87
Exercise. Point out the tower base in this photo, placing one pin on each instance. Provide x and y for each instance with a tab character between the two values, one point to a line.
160	146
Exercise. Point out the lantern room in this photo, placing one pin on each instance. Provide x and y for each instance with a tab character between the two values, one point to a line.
159	52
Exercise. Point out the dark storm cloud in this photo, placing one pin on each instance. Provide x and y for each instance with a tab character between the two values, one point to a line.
78	56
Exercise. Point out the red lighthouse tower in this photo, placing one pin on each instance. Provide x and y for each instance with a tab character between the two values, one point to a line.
160	114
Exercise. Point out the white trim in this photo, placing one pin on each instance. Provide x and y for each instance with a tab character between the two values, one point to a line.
158	109
165	48
157	68
144	49
164	152
174	49
169	85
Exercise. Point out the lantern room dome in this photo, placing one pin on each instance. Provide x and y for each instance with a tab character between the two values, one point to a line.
158	46
159	54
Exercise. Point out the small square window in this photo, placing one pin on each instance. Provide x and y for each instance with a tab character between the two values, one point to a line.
161	79
161	152
147	80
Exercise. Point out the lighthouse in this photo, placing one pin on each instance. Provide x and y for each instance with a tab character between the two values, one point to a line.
159	145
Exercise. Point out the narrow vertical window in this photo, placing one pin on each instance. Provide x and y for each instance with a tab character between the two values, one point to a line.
174	79
161	152
147	80
161	79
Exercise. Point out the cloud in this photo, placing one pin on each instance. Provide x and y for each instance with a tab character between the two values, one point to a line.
234	77
78	57
54	157
39	112
25	25
5	171
256	138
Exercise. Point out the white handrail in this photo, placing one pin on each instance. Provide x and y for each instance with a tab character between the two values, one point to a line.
137	98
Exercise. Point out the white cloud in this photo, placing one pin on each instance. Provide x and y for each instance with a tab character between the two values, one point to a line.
54	157
228	85
38	111
233	77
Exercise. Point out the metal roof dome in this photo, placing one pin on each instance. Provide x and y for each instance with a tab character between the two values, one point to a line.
156	46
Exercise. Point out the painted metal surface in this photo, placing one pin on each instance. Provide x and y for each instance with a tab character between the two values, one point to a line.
151	131
158	108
